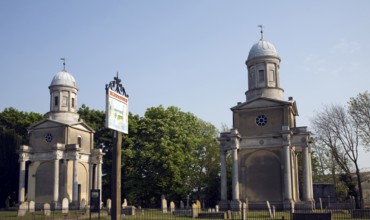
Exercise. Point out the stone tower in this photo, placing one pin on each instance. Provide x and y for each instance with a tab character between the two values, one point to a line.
60	161
265	141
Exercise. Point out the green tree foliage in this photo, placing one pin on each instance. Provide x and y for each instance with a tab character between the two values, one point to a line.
96	120
338	133
359	108
9	142
19	121
176	154
167	152
13	133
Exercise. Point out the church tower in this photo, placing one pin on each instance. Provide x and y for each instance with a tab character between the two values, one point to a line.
263	65
265	141
63	97
60	160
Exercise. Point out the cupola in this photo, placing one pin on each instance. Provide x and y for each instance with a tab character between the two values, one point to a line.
263	65
63	97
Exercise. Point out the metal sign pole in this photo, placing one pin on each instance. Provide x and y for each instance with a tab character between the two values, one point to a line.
116	177
116	119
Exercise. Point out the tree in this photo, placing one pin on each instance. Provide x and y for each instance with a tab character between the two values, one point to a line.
13	133
96	120
167	152
19	121
336	130
9	142
359	108
208	169
171	150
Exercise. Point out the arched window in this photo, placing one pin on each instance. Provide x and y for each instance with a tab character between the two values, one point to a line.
261	76
56	100
79	141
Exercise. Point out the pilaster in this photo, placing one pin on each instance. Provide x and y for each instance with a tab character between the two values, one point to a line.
57	154
75	181
235	204
97	159
224	146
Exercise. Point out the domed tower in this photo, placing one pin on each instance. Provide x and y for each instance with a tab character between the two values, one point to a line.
63	98
265	141
61	161
263	65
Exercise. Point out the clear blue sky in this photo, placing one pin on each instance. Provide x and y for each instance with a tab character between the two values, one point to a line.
186	53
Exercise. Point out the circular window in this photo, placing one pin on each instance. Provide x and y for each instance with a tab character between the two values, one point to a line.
48	137
261	120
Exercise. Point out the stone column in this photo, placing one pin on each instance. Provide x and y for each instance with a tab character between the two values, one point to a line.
297	174
96	180
65	178
310	175
22	176
97	162
91	176
287	176
23	157
99	176
223	176
75	181
224	146
235	179
100	172
306	174
56	183
235	203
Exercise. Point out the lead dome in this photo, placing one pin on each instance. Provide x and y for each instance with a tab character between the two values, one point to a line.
262	48
63	78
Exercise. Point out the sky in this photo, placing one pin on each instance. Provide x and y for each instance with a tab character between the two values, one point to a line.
185	53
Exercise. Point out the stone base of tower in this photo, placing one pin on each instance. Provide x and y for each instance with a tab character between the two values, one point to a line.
288	205
304	205
224	205
262	205
235	205
74	205
55	206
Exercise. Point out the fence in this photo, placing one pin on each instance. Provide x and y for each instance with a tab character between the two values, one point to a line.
184	214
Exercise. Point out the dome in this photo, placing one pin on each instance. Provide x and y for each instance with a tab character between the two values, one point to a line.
63	78
262	48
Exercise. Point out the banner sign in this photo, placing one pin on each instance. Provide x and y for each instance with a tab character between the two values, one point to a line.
116	112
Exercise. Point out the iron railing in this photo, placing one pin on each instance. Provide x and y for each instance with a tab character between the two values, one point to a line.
186	214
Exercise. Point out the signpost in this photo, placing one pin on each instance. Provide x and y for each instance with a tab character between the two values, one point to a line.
117	112
116	119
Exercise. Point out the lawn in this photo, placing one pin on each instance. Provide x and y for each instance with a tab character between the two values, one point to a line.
155	214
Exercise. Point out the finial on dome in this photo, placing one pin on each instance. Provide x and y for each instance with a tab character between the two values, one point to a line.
64	63
261	26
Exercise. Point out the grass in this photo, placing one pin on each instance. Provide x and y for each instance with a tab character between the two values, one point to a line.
154	214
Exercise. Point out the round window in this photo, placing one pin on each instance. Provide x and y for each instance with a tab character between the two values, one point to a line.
261	120
48	137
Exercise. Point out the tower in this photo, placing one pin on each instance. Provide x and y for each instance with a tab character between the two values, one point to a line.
265	141
63	98
60	160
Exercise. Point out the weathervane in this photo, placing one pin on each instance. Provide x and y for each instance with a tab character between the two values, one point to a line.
261	26
116	86
64	63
